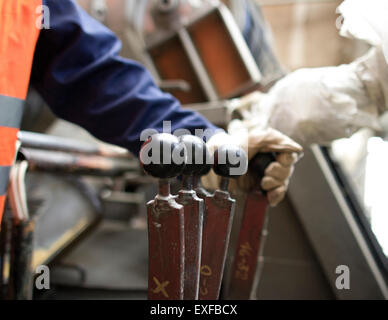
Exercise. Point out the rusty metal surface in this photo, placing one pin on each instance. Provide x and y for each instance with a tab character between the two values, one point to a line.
219	210
196	165
166	249
54	143
42	160
248	246
193	226
219	54
204	51
165	220
250	237
172	63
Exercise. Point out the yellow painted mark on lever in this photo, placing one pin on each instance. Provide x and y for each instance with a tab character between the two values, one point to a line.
161	287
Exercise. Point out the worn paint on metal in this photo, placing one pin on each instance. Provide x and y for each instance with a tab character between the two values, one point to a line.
219	211
248	246
166	249
193	219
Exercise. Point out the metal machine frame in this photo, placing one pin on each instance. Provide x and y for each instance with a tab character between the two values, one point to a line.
333	230
190	44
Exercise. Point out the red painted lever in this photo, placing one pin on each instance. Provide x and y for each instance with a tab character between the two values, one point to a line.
165	219
250	237
197	163
218	221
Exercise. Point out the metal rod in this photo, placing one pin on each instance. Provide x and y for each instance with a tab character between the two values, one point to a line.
164	188
77	163
224	184
188	183
52	143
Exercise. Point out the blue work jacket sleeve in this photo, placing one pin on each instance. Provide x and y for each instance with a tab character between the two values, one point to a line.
78	71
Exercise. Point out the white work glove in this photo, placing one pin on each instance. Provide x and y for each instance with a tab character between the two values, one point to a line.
277	175
319	105
366	21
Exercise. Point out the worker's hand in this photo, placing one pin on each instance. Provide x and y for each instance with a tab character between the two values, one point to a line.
277	175
320	105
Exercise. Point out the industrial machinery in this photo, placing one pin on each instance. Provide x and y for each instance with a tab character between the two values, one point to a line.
189	234
90	213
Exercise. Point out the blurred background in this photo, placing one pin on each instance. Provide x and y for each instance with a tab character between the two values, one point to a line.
336	211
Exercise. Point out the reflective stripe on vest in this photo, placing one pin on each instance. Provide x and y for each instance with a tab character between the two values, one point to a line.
19	32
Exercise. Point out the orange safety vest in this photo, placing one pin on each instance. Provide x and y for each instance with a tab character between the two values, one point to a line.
19	31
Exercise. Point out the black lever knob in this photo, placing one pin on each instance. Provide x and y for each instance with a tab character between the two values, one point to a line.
230	161
163	156
259	164
198	162
198	157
